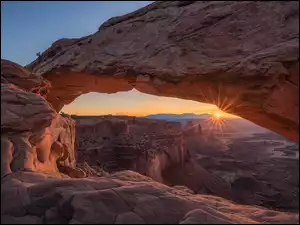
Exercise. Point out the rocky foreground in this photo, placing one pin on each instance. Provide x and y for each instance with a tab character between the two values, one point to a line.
125	197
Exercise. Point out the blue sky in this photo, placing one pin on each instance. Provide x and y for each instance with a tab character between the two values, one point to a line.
31	27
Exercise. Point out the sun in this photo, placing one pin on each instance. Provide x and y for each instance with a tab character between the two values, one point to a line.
217	115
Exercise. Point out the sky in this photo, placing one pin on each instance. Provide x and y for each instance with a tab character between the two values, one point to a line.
31	27
134	103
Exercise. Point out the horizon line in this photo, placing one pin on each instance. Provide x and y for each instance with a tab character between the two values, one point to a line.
145	115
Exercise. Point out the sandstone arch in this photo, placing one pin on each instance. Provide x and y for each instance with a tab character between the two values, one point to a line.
32	192
242	54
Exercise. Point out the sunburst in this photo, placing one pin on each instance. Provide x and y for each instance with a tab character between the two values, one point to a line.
217	116
216	120
228	105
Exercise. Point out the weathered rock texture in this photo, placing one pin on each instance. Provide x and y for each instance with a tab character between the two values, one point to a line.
33	136
124	197
183	49
34	191
138	144
19	76
241	56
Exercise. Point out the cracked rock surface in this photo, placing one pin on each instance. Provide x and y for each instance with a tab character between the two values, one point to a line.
28	197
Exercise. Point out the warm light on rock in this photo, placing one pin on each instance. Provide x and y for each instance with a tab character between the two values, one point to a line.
242	56
254	75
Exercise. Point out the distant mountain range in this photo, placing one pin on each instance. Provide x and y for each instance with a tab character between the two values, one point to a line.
176	117
238	124
235	123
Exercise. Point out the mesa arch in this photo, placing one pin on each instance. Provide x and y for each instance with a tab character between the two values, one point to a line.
35	191
241	54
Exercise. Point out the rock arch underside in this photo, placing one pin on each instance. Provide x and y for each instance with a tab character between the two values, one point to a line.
241	56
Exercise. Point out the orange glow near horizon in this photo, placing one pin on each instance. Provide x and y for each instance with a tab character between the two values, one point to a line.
217	115
135	103
217	122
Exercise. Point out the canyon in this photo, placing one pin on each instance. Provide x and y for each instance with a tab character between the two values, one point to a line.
197	157
56	168
148	147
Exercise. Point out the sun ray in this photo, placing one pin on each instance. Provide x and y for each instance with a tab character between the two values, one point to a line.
218	103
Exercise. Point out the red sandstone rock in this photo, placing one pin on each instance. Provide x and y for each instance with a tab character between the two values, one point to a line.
38	197
253	48
22	78
241	56
193	128
30	126
115	144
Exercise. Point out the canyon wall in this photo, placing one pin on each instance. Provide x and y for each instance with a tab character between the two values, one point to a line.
138	144
155	148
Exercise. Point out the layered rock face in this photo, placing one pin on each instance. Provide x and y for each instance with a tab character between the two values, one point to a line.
14	74
33	136
241	56
131	143
157	149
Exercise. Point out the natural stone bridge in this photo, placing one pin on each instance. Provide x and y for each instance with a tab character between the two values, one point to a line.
241	56
222	53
